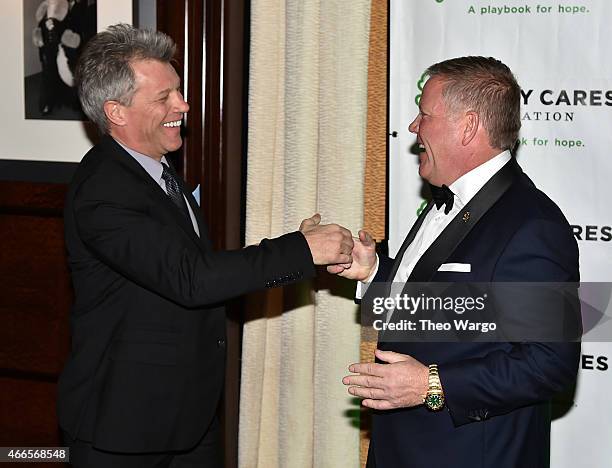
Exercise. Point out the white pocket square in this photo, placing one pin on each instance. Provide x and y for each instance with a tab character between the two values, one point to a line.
456	267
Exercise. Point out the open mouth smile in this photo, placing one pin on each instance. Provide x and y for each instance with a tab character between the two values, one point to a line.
175	123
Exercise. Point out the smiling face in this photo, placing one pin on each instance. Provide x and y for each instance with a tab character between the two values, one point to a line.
151	124
438	134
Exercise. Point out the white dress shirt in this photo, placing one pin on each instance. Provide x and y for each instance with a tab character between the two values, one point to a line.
464	188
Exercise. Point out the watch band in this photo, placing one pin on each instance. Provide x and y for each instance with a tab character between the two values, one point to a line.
434	398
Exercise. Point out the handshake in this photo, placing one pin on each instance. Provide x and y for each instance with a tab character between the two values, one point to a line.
334	246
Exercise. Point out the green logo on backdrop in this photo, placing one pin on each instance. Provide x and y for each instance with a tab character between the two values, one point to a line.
420	85
439	1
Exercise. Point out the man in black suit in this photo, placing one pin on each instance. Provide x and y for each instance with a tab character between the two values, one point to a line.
146	370
468	404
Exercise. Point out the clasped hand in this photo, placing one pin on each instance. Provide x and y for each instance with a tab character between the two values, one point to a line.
364	259
328	243
333	245
402	382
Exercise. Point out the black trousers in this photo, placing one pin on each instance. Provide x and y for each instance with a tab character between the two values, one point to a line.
206	454
371	462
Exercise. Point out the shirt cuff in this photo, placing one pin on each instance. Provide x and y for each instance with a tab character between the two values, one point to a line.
362	286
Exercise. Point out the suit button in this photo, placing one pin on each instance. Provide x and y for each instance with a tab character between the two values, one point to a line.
220	343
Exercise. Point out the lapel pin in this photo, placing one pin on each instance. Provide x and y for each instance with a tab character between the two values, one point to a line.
466	216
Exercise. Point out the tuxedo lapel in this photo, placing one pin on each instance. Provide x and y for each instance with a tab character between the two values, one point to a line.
464	221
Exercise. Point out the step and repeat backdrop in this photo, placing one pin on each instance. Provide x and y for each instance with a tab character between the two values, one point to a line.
560	54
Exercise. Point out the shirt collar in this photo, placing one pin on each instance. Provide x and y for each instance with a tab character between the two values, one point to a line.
466	186
154	168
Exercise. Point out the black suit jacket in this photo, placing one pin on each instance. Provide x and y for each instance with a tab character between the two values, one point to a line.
148	326
497	394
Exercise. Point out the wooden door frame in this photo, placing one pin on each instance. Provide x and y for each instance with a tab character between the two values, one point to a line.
212	60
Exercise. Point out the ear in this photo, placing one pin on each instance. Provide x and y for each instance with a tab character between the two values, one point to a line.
471	122
115	113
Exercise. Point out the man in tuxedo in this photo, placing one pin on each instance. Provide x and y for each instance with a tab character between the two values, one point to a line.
146	370
468	404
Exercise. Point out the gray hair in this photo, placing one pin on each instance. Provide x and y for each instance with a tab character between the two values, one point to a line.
486	86
103	72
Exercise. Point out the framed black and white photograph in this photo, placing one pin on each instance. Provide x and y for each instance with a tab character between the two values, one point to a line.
63	134
55	32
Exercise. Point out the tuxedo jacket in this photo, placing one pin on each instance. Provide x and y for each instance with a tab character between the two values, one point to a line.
147	364
497	394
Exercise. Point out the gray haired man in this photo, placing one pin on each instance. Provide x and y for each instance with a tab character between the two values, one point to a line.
143	380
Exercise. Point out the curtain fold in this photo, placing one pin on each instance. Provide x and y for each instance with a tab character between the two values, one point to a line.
306	154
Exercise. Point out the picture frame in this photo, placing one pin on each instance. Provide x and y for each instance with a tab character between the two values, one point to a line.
35	139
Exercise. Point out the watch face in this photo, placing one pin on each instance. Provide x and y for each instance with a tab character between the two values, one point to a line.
434	401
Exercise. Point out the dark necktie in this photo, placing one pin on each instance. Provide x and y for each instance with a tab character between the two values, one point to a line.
442	196
173	189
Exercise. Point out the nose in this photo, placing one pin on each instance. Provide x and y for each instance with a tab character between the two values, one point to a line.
185	107
414	126
181	105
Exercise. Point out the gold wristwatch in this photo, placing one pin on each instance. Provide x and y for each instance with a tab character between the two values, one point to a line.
434	398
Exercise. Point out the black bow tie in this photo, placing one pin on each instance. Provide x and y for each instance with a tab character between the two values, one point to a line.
442	196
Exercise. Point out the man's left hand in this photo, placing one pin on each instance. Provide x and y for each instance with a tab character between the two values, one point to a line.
401	383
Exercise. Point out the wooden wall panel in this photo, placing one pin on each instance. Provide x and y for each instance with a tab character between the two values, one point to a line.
25	407
35	298
375	196
214	150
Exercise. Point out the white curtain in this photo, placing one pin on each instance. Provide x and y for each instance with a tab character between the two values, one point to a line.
307	138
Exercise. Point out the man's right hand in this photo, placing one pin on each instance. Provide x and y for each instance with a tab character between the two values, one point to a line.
364	259
328	243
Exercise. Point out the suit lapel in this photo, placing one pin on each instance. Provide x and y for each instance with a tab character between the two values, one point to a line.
195	208
463	223
162	201
185	221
